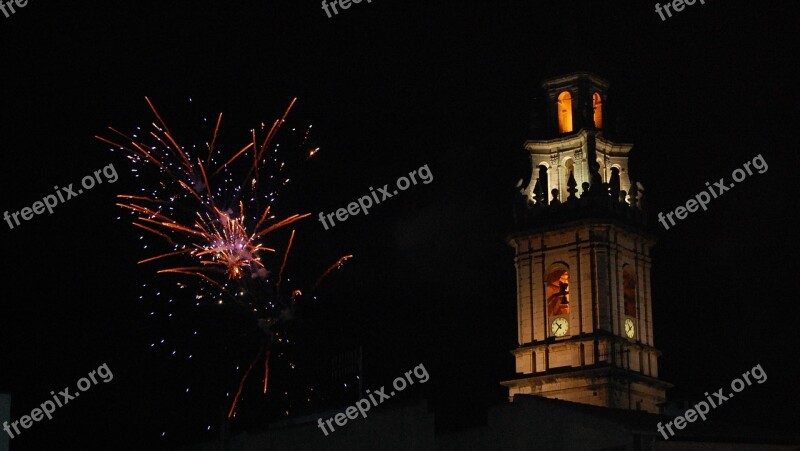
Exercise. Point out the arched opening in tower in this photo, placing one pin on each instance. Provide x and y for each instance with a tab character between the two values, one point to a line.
558	292
597	104
565	112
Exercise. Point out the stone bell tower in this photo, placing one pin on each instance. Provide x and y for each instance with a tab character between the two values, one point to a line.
584	311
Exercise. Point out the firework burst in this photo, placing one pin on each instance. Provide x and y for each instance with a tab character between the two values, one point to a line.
216	217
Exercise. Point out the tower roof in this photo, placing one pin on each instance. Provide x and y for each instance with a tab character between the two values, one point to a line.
573	79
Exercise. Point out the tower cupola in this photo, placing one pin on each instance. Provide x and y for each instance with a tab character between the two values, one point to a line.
575	164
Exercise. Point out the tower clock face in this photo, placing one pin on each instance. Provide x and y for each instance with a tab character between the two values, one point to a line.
630	330
559	327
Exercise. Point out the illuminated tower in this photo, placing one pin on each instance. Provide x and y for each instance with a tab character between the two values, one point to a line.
584	313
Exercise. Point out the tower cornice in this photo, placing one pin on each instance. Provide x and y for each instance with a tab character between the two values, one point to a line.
562	81
599	371
651	238
577	339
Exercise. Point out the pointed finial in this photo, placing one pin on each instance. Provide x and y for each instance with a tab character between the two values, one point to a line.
571	187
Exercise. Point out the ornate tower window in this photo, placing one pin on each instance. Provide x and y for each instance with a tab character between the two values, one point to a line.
557	291
540	188
597	104
565	112
569	171
569	165
629	291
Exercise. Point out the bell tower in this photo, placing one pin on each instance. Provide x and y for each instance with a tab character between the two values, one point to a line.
584	307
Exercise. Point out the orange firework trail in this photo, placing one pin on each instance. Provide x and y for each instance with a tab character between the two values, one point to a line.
215	214
266	372
330	269
241	383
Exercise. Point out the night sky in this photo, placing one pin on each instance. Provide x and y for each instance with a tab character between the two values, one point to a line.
389	87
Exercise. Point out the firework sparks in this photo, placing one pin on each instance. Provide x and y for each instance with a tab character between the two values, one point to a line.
218	240
216	217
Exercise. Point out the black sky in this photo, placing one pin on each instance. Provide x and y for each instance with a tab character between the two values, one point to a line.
391	86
